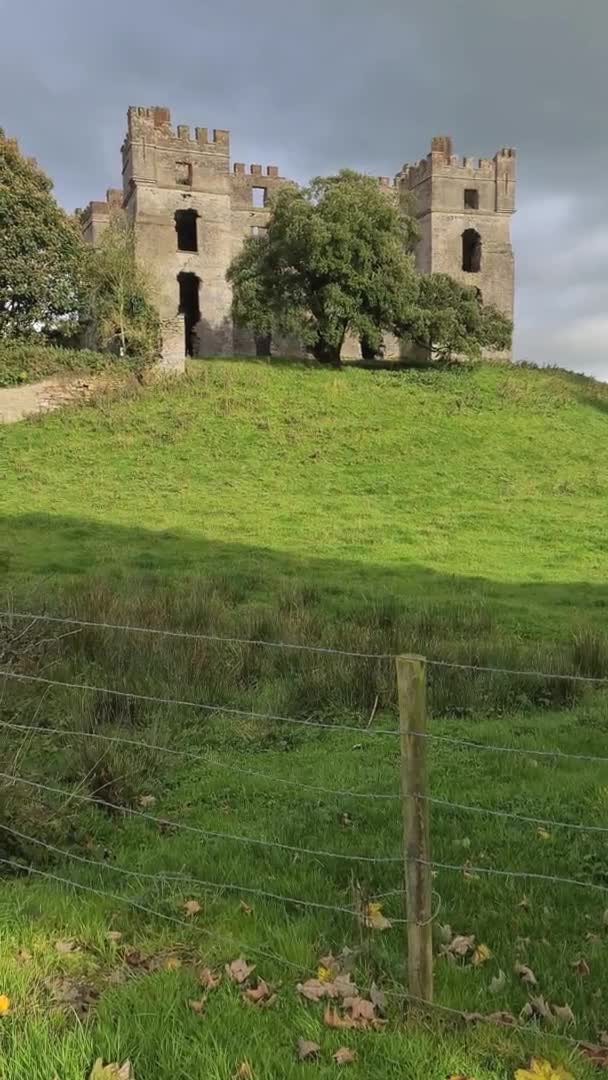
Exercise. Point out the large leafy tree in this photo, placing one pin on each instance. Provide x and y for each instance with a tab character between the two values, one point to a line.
449	320
121	312
41	253
334	259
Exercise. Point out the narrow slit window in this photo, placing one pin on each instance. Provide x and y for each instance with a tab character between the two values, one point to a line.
258	197
471	199
185	227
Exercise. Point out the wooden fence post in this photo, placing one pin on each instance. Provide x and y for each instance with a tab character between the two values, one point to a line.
411	684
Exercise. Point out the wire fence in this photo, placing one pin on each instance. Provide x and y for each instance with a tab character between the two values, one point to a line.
415	796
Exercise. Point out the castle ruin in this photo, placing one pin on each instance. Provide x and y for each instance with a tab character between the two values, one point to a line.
192	212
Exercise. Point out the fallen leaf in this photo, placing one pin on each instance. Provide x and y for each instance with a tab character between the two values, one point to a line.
581	967
541	1008
461	945
344	1056
147	800
239	970
445	933
543	834
114	935
332	1018
343	986
524	903
372	917
244	1071
111	1072
259	994
314	989
525	974
597	1055
480	955
5	1004
75	994
539	1069
324	974
192	907
245	909
460	1076
328	963
172	963
197	1007
564	1014
498	983
66	946
307	1050
208	979
505	1019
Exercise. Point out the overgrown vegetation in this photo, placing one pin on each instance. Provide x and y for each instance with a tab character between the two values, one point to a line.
336	258
458	512
28	362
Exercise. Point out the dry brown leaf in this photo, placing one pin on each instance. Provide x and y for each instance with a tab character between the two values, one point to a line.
505	1019
244	1071
343	986
114	935
192	907
564	1014
332	1018
541	1008
112	1071
147	800
344	1056
307	1051
597	1055
171	963
329	963
135	958
445	933
245	909
239	970
208	978
525	974
378	998
581	967
360	1008
65	947
197	1007
258	995
314	989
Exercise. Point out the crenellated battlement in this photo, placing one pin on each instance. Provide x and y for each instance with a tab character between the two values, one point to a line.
240	169
153	123
442	160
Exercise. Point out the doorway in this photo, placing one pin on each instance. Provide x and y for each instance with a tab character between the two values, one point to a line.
189	307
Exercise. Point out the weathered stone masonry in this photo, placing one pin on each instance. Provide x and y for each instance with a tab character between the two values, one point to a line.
192	213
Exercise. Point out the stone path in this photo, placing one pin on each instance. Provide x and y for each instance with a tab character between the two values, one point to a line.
17	402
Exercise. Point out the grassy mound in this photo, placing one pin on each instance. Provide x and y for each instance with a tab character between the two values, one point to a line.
459	513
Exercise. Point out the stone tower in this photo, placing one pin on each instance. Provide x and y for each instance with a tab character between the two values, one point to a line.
191	214
464	209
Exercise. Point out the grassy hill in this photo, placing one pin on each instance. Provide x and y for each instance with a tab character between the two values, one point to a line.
459	513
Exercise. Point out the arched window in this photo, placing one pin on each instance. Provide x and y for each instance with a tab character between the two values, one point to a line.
471	251
185	227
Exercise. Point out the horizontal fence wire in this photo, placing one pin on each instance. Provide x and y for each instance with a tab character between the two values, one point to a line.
341	792
228	710
523	874
471	744
193	755
207	833
188	878
191	635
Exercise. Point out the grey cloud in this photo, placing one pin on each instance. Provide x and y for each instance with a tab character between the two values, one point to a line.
333	82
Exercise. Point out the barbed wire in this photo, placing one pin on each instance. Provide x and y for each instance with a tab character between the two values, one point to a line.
192	754
527	874
232	640
189	878
193	704
208	833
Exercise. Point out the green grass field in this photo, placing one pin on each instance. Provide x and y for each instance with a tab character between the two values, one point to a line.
459	513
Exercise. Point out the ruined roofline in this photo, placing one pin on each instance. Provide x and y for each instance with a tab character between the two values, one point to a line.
240	169
150	119
113	201
442	157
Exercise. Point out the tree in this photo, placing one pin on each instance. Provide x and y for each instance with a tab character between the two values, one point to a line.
120	309
450	320
335	258
41	253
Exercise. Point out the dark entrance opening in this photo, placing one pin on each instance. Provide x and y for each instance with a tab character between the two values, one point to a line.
185	227
189	307
471	251
263	344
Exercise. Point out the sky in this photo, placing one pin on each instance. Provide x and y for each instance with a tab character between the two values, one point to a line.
323	84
